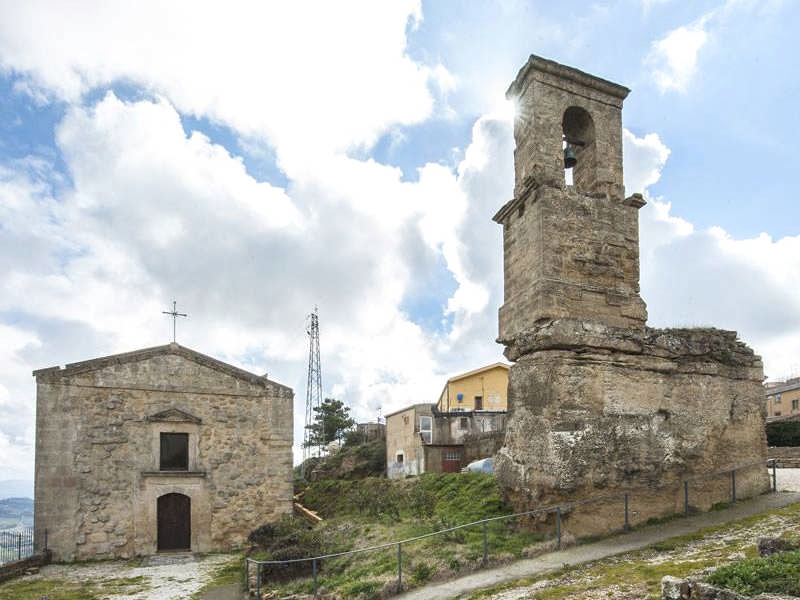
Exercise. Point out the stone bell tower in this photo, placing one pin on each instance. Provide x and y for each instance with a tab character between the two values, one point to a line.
570	251
600	405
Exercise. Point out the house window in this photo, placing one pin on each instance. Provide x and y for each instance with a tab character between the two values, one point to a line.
174	452
777	398
478	402
795	404
463	423
400	458
452	455
777	413
425	429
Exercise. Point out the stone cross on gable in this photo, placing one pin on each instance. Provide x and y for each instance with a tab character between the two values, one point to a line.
175	314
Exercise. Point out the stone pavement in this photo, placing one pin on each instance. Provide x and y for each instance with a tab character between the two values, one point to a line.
585	553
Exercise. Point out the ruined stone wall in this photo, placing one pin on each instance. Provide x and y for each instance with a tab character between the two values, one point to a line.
598	403
97	454
596	411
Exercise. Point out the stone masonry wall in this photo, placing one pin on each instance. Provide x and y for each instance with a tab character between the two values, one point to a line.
638	411
97	453
557	266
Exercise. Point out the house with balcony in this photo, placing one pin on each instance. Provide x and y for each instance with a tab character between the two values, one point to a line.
465	424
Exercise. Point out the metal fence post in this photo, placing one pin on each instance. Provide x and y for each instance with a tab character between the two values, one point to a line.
314	573
399	567
485	543
258	581
686	498
733	486
627	526
774	476
558	527
19	546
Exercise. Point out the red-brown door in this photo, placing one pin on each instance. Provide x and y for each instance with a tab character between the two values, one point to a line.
451	462
174	522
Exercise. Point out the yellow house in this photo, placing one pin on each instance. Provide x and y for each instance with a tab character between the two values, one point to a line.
783	398
481	389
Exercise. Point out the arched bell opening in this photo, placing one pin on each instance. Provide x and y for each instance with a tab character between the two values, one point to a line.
580	149
174	522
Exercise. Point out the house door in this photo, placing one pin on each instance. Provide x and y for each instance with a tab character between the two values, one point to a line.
174	522
451	462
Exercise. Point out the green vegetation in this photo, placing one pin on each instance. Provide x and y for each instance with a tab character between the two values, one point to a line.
55	589
228	573
374	511
775	574
783	433
331	421
355	460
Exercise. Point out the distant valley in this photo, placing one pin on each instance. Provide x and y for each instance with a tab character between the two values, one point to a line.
16	488
16	512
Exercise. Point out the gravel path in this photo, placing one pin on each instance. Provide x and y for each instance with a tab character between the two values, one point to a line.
169	577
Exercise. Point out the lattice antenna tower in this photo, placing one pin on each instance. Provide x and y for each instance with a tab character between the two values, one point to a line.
314	384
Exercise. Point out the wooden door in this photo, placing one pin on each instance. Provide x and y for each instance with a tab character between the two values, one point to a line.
174	522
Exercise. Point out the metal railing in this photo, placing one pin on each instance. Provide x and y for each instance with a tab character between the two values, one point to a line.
16	544
559	511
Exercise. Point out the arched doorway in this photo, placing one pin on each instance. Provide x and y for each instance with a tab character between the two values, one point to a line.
174	522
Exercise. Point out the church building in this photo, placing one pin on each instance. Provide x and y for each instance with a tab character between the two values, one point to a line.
161	449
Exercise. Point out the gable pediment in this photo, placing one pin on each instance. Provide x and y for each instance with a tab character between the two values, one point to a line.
173	415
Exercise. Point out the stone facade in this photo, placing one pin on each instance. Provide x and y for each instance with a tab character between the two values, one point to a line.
100	474
598	402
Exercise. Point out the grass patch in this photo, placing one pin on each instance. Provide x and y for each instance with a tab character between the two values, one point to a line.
371	512
229	573
56	589
775	574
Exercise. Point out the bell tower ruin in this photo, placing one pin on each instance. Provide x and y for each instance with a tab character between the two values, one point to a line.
569	251
599	402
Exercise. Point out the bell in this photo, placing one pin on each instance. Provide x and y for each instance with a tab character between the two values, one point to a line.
570	159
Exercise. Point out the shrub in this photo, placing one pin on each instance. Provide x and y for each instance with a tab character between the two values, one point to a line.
783	433
774	574
422	572
287	539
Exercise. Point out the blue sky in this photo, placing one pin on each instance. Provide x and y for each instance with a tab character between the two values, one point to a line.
254	162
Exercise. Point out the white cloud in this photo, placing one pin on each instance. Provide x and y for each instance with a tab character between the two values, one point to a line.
693	277
673	59
645	157
308	76
156	214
